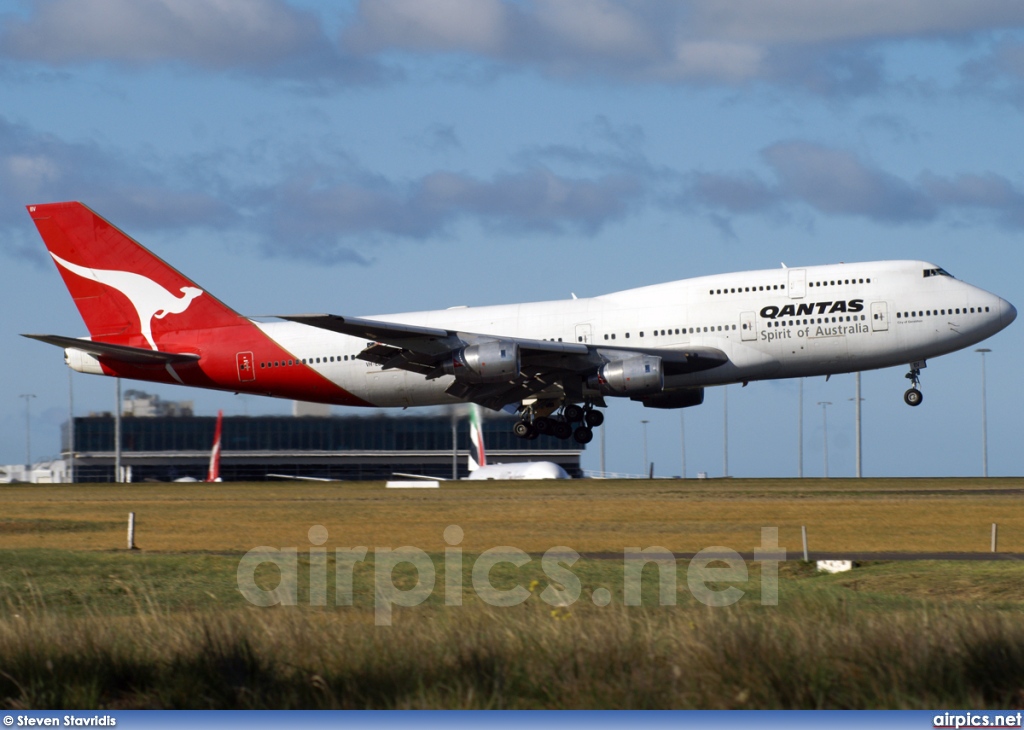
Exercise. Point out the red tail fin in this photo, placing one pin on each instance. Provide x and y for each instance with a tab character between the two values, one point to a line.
124	293
213	473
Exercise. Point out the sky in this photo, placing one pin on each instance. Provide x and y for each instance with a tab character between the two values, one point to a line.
397	155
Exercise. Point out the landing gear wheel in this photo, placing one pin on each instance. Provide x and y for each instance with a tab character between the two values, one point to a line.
573	413
594	419
563	429
522	429
913	397
583	435
543	425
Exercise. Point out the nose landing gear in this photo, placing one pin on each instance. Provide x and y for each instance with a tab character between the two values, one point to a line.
913	397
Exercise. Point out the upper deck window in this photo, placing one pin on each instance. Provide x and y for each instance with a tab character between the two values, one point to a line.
937	272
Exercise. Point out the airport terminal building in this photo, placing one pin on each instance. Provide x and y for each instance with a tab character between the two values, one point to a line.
162	447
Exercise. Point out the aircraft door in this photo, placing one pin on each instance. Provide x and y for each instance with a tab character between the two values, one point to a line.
584	334
879	316
246	370
747	326
797	283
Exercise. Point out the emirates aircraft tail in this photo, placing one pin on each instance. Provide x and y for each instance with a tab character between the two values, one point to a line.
126	295
477	452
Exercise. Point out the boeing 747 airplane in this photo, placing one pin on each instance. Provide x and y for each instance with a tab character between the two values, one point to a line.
555	363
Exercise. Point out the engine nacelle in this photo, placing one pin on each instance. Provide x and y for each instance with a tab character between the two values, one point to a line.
684	398
82	362
639	375
488	362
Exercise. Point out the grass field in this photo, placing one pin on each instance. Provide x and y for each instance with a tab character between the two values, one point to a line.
932	515
86	624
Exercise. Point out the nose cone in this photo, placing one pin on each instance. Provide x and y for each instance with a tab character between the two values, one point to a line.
1007	313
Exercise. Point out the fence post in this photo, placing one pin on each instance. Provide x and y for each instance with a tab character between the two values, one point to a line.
131	531
994	535
803	533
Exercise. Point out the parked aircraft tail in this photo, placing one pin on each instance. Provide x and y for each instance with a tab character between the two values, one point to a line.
477	452
213	473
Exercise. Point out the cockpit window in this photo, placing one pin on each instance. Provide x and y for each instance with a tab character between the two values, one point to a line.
937	272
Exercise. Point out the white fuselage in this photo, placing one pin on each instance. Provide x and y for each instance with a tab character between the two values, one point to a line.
777	323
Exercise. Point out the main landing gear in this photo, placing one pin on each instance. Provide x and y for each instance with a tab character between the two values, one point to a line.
561	425
913	397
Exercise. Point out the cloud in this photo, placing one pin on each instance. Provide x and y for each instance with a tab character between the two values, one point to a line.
340	212
263	37
833	48
828	48
836	182
311	217
36	167
306	209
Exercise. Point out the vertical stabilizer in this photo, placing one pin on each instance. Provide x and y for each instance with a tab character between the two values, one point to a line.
477	454
213	473
125	293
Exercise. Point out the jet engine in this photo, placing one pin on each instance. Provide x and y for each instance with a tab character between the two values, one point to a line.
639	375
488	362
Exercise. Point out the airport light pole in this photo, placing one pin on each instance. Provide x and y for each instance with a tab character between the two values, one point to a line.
71	427
984	416
682	439
800	433
824	423
646	467
725	430
455	445
28	431
117	434
857	401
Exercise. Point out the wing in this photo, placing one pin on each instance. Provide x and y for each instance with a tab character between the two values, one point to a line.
123	353
543	364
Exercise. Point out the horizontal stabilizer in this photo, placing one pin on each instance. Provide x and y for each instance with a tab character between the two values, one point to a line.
123	353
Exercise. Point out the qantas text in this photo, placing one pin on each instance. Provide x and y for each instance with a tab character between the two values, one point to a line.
810	308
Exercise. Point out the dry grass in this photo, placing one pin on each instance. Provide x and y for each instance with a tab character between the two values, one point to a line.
85	624
919	515
827	656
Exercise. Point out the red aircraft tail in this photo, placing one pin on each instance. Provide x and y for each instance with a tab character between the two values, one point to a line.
213	473
125	294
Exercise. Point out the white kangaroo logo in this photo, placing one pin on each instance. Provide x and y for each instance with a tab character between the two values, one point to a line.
149	298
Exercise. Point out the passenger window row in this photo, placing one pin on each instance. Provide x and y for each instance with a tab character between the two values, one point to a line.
305	361
819	320
683	330
741	289
940	312
782	287
839	282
